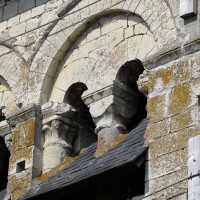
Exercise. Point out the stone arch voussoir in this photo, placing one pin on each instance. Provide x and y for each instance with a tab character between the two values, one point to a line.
69	28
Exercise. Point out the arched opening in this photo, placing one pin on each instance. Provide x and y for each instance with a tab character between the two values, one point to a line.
127	89
86	135
99	51
4	160
73	97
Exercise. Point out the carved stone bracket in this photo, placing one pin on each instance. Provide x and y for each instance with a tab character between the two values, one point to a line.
143	82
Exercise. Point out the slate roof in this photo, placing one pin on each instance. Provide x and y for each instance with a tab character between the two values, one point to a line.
86	166
2	194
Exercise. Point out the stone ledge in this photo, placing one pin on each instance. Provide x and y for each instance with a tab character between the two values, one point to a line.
23	114
162	57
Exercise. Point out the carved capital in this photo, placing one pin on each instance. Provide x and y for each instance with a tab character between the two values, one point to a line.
58	141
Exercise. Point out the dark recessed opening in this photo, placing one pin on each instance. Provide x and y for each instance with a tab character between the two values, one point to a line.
21	166
2	116
4	162
128	75
118	184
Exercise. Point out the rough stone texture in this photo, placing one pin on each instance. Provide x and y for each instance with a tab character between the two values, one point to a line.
173	116
89	45
156	108
58	143
179	99
25	147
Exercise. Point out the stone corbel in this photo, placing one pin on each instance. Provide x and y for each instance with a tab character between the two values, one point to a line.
143	82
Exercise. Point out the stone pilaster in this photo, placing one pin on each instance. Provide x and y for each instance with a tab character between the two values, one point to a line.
26	157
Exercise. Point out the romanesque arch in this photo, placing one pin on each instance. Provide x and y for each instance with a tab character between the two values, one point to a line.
69	28
101	50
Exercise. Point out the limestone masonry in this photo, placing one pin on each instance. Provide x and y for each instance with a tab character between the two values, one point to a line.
79	79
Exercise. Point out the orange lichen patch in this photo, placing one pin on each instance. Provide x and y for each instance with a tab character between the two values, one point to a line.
18	194
156	108
182	121
23	135
166	76
19	181
22	154
151	82
102	148
54	171
179	99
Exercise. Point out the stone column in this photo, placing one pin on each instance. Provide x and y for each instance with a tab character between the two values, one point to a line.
112	111
59	135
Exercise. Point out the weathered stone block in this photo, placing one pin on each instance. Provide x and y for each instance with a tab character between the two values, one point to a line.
179	99
3	26
18	156
19	181
94	34
182	121
23	114
156	148
144	50
13	21
25	16
168	163
156	108
23	135
170	193
37	11
18	29
176	141
18	194
158	129
166	76
140	29
133	46
182	72
167	180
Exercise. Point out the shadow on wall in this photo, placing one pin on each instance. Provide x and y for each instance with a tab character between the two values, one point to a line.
10	8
